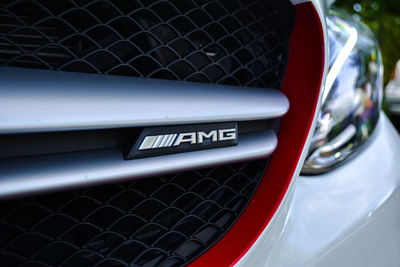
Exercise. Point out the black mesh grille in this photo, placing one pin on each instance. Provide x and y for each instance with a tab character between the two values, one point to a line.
163	221
239	42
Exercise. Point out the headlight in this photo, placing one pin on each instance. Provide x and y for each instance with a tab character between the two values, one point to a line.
351	99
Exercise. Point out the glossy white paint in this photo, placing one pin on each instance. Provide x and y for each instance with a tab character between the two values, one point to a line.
347	217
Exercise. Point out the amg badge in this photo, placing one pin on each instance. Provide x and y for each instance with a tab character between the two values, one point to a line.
170	140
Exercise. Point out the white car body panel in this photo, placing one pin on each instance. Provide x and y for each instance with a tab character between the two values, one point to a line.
347	217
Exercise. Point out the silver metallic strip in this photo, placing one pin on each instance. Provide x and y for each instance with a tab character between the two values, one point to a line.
164	140
158	141
171	140
42	100
148	142
53	172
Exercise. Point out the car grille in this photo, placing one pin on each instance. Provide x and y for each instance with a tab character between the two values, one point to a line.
163	221
236	42
167	220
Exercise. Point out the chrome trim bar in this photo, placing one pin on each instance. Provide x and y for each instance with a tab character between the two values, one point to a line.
42	100
27	175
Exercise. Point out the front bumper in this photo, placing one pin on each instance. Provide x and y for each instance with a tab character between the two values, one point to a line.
347	217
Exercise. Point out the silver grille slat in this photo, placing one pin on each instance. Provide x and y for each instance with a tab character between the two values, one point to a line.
41	101
46	101
20	176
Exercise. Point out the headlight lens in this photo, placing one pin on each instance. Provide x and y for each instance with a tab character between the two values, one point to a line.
351	99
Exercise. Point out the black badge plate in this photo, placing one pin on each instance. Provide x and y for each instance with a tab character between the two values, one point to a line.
159	141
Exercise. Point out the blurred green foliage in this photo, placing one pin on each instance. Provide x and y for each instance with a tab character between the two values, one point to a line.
383	17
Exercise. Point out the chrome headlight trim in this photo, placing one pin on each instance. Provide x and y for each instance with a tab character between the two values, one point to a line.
352	97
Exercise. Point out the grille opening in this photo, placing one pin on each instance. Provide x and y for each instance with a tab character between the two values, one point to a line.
161	221
236	42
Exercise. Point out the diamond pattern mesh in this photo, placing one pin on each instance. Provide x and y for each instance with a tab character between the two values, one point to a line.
163	221
239	42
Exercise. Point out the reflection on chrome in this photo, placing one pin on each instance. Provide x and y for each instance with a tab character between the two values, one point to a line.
351	100
341	59
331	151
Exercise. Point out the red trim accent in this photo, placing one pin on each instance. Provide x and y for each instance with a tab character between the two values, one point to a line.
301	86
